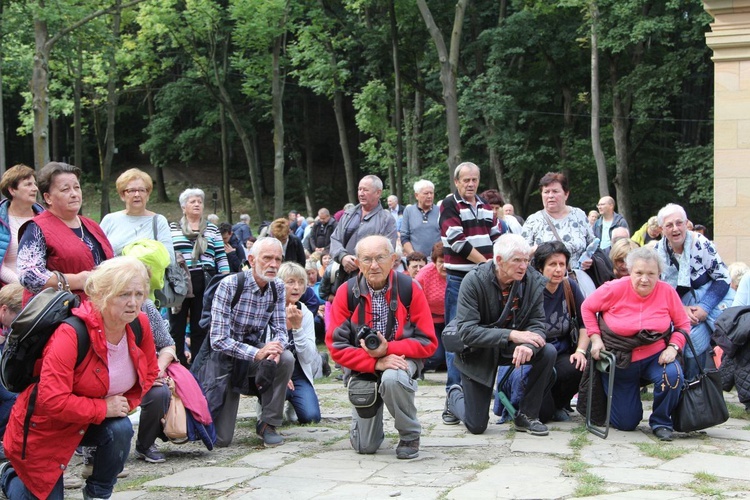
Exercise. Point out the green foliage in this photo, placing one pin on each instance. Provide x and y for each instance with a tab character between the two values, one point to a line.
694	176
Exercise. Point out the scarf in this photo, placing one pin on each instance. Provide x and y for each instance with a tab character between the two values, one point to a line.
200	244
677	272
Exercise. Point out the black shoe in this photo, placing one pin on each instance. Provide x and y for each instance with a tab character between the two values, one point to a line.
663	433
268	433
448	417
407	450
326	366
532	426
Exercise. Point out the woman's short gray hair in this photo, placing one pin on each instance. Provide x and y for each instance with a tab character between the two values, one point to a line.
509	244
189	193
292	270
670	209
422	184
646	254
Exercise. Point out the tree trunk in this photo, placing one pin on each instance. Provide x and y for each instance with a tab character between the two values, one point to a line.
448	74
308	148
225	180
161	190
399	181
111	109
77	96
277	111
39	93
596	141
620	112
338	109
416	132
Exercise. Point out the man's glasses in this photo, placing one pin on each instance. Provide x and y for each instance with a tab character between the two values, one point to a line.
380	259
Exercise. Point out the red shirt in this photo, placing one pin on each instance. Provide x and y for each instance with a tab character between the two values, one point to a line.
433	286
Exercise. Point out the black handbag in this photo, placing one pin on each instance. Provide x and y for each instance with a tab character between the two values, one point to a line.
702	402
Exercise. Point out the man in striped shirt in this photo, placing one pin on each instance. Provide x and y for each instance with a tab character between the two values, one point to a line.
468	229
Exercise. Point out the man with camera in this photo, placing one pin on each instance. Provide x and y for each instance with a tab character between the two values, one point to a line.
380	332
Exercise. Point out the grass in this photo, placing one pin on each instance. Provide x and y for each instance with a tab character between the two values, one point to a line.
662	451
737	411
703	485
574	467
480	466
130	484
589	485
580	439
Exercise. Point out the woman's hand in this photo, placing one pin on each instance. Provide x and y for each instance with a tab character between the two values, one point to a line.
597	345
293	317
668	355
117	406
578	359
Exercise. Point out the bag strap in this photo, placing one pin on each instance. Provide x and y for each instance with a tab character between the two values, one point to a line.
570	298
155	228
552	226
689	343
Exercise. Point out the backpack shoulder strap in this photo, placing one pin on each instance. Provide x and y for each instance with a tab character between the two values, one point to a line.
154	227
241	286
404	288
83	337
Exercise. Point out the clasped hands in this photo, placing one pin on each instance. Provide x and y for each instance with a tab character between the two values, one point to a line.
522	354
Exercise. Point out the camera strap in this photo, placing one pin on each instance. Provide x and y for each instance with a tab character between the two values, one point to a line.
392	308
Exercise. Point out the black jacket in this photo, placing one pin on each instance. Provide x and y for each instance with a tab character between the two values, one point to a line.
294	251
320	235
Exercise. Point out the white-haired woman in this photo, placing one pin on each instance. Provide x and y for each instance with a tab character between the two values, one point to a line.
695	269
201	245
632	317
300	325
88	403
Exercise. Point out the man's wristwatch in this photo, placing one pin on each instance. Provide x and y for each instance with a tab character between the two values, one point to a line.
676	347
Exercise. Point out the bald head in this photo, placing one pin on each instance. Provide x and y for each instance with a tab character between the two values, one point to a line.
606	207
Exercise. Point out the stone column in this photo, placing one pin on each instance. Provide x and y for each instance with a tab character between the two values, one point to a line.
730	41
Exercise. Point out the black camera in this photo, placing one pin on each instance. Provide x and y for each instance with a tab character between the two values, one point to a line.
371	338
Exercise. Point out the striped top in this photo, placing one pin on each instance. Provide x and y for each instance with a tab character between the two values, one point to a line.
464	227
213	257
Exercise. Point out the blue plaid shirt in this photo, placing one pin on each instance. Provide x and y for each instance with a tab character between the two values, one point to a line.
233	330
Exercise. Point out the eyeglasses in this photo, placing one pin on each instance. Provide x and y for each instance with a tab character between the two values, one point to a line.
132	191
677	223
380	259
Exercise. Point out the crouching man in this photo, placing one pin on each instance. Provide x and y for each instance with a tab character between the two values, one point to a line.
380	332
500	319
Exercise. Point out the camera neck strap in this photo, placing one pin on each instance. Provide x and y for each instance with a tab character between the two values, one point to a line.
392	308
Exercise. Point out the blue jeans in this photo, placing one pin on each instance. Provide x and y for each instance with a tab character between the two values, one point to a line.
436	360
303	397
7	400
627	408
453	283
112	441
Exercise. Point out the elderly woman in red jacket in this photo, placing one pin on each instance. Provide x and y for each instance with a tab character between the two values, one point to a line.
87	404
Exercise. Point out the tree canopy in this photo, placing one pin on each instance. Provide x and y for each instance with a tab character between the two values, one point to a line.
297	99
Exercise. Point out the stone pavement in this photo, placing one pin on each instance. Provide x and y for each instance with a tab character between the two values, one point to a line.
317	462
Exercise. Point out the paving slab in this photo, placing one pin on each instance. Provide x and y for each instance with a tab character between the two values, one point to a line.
731	434
272	458
277	486
129	495
719	465
426	471
355	468
367	492
640	476
601	453
645	495
556	443
221	478
460	441
517	479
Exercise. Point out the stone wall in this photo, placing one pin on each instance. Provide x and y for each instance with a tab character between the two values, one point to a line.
730	41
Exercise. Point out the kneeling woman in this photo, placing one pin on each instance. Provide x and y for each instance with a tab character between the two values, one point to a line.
635	317
301	327
86	404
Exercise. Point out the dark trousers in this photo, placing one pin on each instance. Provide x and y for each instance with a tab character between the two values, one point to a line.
154	406
112	441
472	404
192	307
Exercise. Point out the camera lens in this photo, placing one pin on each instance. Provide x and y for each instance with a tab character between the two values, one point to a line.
372	341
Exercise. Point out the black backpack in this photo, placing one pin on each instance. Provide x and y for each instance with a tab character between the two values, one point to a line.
32	329
210	291
402	285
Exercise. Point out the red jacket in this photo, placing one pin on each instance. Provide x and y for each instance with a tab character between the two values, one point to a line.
70	398
414	338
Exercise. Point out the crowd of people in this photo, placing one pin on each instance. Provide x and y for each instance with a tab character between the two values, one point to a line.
512	310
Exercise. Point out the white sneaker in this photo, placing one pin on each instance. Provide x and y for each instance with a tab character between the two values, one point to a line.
289	414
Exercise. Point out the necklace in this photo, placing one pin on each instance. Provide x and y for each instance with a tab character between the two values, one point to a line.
80	226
